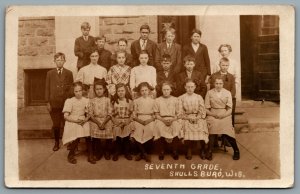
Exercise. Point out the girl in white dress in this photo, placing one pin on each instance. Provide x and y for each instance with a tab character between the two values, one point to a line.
76	125
143	117
168	126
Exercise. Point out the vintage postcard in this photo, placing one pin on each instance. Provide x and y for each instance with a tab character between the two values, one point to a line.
170	96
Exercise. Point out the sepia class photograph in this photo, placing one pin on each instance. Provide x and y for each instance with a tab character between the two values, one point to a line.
147	97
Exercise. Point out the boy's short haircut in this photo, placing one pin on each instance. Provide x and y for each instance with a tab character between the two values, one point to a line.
100	38
197	31
145	26
85	26
166	58
224	59
189	58
144	52
60	54
172	30
225	45
123	40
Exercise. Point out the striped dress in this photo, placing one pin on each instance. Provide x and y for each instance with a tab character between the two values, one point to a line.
117	74
122	112
167	108
193	106
99	108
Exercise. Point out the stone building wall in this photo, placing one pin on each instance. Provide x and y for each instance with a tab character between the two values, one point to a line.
36	47
115	28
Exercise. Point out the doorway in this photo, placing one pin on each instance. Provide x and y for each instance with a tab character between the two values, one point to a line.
260	57
182	24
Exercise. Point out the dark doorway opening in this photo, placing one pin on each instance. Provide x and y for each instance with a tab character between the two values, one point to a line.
260	57
182	24
35	84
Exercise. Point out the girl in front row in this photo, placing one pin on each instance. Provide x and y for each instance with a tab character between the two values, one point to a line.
76	125
143	117
168	125
100	111
122	125
194	124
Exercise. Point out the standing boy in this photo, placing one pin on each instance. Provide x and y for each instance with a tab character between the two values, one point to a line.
228	80
84	46
190	73
165	75
143	44
104	55
58	85
200	52
122	45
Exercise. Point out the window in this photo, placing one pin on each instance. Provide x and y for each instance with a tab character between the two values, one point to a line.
35	83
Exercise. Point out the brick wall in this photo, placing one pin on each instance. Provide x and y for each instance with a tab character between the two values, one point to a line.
36	47
115	28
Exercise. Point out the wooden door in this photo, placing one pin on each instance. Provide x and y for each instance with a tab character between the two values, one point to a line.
182	24
260	57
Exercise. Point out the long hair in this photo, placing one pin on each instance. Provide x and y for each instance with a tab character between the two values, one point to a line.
103	84
115	97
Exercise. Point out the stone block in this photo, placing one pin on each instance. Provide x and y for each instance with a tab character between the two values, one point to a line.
36	23
38	41
50	23
47	50
103	30
21	24
51	41
101	21
22	41
130	29
152	20
132	20
114	21
45	32
26	32
27	51
118	30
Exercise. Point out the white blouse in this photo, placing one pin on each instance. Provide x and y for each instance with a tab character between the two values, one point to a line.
87	74
142	73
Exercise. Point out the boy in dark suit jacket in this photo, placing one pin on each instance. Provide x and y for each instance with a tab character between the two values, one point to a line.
84	46
228	80
122	45
171	48
189	63
143	43
58	89
165	75
104	55
200	53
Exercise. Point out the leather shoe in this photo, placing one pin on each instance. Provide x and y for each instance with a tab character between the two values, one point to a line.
56	146
236	155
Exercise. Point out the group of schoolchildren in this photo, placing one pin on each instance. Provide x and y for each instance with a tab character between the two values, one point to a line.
124	101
